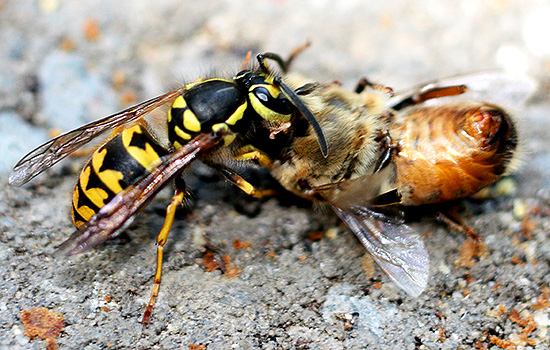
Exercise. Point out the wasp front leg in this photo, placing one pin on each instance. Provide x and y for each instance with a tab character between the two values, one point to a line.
177	200
250	152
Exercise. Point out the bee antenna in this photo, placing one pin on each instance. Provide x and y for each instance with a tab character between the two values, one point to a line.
302	108
247	59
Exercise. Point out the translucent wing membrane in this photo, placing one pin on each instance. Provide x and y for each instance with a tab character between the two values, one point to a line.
51	152
116	214
493	86
395	247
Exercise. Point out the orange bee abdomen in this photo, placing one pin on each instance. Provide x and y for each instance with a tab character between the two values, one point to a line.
451	151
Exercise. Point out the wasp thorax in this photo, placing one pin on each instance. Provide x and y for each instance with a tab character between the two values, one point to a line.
203	107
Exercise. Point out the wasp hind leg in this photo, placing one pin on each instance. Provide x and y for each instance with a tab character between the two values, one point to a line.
237	180
162	237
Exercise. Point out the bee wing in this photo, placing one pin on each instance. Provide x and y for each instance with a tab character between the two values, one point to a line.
51	152
116	215
365	191
491	86
395	247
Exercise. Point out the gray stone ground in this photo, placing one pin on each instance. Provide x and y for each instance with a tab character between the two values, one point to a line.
55	73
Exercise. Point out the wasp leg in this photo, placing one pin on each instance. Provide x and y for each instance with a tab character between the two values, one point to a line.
250	152
177	199
241	183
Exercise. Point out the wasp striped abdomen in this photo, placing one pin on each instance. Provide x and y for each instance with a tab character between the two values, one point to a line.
113	167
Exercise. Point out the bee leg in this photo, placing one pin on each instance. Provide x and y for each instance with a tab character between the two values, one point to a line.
250	152
388	147
246	60
241	183
452	218
363	83
428	94
306	89
177	199
283	64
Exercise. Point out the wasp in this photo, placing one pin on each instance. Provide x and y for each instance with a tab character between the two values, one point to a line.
363	153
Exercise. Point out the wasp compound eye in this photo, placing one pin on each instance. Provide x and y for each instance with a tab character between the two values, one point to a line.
262	94
268	102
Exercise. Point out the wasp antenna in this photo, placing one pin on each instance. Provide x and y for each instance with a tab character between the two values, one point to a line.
261	61
291	95
275	57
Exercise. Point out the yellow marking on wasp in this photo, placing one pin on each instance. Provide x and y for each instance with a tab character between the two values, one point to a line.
220	127
75	197
269	80
190	121
182	133
95	195
148	157
262	110
237	115
203	80
78	223
84	211
108	177
228	139
195	83
250	152
177	145
179	102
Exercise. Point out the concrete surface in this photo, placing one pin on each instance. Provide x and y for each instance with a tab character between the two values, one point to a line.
64	63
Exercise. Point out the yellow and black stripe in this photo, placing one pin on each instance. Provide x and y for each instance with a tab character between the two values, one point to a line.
113	167
203	107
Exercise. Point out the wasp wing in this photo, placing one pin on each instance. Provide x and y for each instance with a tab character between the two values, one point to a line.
395	247
116	215
51	152
497	87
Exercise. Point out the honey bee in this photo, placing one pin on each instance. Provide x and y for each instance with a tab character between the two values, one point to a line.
426	146
360	152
